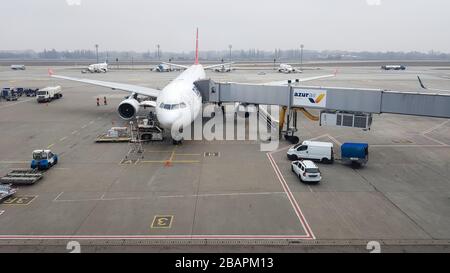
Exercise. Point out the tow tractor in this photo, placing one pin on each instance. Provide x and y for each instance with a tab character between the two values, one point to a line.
42	161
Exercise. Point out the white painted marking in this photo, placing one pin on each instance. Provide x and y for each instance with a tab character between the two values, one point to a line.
435	140
74	132
1	212
221	194
408	146
84	126
56	198
63	138
334	140
293	201
435	127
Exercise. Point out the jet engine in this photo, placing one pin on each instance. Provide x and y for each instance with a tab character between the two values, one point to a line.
128	108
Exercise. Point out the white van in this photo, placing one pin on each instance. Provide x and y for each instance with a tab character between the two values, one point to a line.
313	150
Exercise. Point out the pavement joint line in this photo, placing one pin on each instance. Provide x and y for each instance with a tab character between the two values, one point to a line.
12	104
102	198
171	161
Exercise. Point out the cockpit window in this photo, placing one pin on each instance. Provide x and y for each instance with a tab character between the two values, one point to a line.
172	106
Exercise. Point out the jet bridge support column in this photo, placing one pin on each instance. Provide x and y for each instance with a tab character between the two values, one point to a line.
291	117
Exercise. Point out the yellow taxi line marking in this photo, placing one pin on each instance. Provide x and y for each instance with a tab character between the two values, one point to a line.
172	155
49	146
188	154
13	162
74	132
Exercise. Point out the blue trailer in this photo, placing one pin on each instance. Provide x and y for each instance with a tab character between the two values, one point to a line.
355	153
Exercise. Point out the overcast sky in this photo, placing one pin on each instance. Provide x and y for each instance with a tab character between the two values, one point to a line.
373	25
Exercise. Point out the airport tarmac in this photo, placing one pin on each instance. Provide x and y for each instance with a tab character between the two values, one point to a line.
221	193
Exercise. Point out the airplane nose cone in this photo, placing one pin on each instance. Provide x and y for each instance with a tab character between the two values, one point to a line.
167	118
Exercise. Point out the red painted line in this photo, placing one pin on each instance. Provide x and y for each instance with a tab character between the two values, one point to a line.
143	237
291	197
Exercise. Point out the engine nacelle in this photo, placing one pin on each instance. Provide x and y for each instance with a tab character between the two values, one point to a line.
128	108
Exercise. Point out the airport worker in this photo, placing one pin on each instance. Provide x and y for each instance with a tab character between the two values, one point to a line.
98	102
104	101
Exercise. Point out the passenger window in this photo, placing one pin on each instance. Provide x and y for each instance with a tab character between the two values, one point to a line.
167	106
302	148
161	105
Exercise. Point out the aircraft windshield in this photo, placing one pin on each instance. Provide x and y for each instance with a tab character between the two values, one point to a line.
172	106
42	92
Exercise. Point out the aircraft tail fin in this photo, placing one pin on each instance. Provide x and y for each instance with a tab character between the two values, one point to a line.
196	48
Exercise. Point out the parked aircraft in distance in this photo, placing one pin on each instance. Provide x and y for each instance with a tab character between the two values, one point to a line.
286	68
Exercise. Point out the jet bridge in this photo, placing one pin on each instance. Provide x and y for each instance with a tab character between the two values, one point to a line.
351	107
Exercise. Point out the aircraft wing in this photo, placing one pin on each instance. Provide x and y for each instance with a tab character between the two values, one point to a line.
217	65
431	89
145	91
294	81
177	65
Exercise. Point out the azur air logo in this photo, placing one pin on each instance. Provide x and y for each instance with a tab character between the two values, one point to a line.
311	97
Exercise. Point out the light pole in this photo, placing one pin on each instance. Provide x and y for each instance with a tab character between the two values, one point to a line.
96	49
301	56
230	46
159	57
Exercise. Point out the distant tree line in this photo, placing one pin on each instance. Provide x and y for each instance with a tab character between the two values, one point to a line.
236	55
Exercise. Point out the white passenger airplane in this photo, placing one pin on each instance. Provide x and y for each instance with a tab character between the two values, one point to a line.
97	68
287	68
177	105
